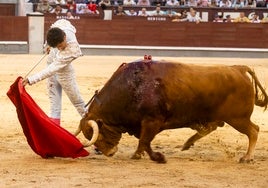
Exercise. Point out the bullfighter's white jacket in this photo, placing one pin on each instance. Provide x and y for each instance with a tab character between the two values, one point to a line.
58	60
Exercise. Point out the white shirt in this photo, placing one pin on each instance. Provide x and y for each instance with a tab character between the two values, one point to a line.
63	58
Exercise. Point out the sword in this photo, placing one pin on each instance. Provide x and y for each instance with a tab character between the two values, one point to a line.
40	60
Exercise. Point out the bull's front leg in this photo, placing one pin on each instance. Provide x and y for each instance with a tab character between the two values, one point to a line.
149	128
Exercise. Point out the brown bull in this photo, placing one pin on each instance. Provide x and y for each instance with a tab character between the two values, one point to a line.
144	98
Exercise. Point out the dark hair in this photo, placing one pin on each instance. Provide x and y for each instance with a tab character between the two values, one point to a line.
55	36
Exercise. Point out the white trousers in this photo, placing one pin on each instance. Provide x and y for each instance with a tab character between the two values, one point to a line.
63	80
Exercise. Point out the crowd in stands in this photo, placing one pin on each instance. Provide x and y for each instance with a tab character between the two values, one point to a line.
71	4
69	7
242	18
76	7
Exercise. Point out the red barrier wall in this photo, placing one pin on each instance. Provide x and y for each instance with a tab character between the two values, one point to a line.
140	31
14	28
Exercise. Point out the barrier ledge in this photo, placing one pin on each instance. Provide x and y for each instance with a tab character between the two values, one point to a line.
173	48
13	47
14	42
174	51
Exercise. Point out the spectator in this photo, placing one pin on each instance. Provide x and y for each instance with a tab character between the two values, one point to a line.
225	3
117	2
82	9
182	3
238	4
104	3
158	2
255	18
92	7
172	3
242	18
58	2
176	17
58	10
44	7
143	12
192	3
250	4
132	12
120	11
143	3
69	15
218	18
213	3
157	11
170	13
129	2
228	18
260	3
51	2
71	5
202	3
183	14
192	17
181	17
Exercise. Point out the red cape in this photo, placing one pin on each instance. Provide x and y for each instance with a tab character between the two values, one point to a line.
44	137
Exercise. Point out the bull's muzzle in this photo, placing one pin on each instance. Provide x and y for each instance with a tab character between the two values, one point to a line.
112	151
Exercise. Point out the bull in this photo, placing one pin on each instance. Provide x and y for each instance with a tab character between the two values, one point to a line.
145	97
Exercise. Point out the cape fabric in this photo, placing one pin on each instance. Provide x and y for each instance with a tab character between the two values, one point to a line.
46	138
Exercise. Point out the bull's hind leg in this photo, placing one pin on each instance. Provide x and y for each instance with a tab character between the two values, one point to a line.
149	128
202	130
248	128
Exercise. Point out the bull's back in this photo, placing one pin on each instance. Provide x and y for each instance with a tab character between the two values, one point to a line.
209	92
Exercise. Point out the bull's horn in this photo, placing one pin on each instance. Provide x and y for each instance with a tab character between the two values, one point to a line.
78	130
95	135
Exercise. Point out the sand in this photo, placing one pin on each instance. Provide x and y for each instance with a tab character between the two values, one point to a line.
212	162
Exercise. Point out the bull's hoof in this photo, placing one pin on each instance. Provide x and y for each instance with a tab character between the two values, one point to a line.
186	146
245	160
158	157
136	156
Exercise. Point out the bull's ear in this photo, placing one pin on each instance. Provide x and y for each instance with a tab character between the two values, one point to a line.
99	122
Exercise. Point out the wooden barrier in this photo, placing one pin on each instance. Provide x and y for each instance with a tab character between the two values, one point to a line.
7	9
153	31
13	28
149	31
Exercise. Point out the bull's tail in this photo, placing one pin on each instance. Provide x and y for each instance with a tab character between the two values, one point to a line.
260	99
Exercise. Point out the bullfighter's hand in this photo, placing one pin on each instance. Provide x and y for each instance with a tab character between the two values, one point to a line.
25	81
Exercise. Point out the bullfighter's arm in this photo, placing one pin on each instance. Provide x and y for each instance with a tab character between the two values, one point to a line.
63	58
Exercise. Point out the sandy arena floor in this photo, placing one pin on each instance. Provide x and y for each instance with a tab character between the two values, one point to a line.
212	162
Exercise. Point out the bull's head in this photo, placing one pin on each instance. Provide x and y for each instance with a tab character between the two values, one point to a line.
104	137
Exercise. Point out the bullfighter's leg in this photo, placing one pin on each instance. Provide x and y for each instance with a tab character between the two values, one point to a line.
202	130
149	128
248	128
